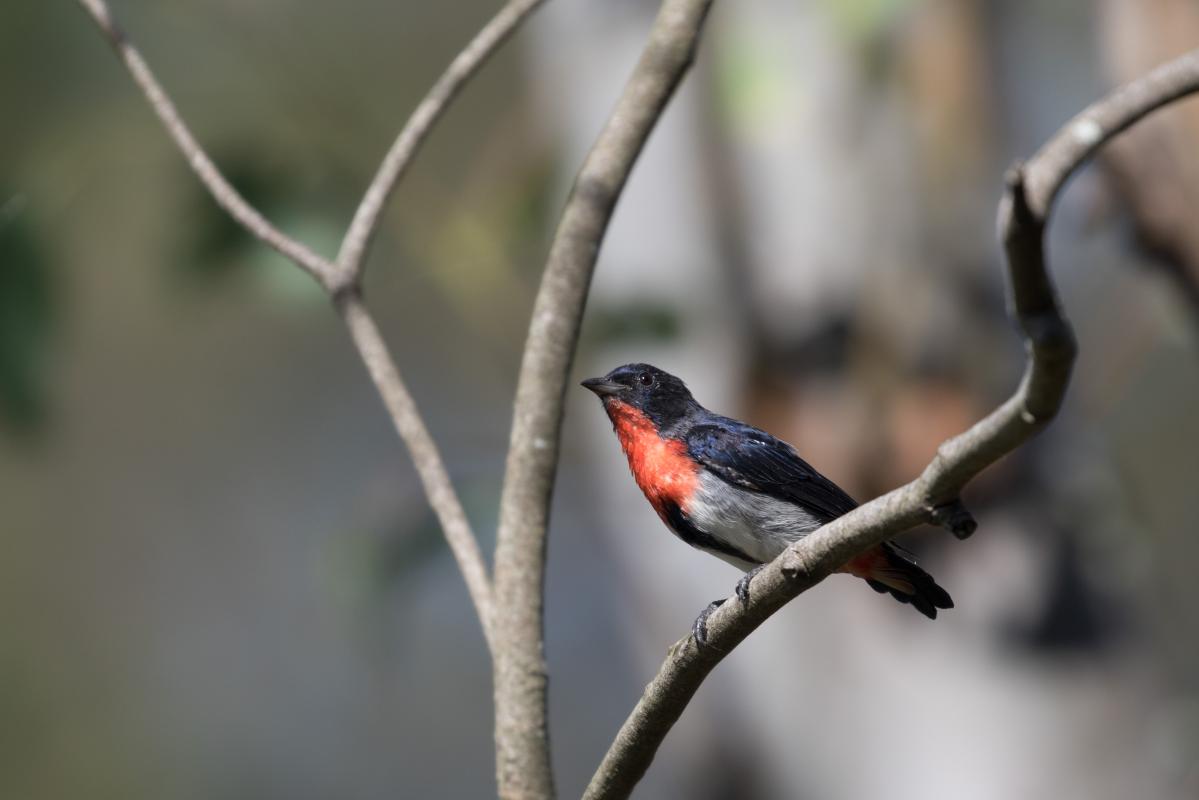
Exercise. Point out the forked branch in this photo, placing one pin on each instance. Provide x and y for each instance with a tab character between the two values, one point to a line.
221	190
342	279
933	497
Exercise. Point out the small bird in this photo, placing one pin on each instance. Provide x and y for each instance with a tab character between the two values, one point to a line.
735	491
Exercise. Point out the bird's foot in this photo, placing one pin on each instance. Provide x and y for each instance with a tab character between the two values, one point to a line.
954	517
700	628
743	584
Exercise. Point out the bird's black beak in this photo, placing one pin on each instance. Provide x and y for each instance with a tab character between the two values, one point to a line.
602	386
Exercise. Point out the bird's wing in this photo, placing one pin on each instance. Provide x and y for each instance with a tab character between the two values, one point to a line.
752	459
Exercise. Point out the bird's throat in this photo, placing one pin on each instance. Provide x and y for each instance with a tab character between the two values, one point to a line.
660	465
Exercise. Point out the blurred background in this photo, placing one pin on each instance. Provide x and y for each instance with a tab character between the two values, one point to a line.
219	576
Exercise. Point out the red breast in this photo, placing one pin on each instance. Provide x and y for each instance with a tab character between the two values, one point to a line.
661	466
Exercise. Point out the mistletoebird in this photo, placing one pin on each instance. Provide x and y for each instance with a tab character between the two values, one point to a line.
734	491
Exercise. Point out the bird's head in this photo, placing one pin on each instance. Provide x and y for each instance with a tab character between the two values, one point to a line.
659	395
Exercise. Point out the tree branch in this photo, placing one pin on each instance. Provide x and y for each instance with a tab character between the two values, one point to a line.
522	738
221	190
341	281
1029	194
433	476
395	163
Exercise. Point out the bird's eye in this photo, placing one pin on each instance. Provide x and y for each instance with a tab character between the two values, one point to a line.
645	379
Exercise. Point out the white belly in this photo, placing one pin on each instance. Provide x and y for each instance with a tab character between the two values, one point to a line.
759	526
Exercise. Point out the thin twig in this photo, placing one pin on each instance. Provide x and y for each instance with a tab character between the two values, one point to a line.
522	738
363	330
395	163
932	497
411	427
221	190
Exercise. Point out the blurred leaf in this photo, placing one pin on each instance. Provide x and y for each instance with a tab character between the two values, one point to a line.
752	84
218	245
862	20
869	27
27	300
218	248
535	206
278	276
482	250
645	321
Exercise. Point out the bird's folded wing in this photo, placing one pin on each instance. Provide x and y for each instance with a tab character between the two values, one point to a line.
752	459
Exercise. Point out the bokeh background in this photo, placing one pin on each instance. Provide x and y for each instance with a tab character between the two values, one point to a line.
219	578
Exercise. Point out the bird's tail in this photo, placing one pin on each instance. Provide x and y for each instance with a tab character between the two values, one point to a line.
890	569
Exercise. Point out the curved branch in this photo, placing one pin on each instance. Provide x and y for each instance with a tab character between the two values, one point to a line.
221	190
395	163
522	739
1028	198
1079	138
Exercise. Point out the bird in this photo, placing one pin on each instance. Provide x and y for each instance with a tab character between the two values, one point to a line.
735	491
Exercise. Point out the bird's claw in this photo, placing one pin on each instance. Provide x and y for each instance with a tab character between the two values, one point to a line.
743	584
699	629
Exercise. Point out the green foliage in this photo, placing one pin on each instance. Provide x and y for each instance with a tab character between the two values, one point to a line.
27	306
218	249
218	245
644	321
860	20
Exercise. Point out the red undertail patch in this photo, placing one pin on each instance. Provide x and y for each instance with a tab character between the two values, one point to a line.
874	565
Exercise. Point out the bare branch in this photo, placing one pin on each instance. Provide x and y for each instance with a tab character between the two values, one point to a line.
395	163
411	427
522	739
373	350
1079	138
221	190
932	497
